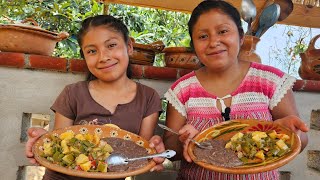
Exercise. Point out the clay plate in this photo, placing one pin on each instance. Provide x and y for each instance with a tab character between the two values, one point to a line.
227	129
104	132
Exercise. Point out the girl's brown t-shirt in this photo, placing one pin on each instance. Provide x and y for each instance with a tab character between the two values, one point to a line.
76	103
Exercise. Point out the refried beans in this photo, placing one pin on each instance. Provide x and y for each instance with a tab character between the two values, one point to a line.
129	149
219	155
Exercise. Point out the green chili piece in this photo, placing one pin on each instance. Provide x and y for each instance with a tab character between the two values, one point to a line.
56	156
68	159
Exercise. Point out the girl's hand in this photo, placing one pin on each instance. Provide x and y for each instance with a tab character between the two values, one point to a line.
187	131
157	143
33	135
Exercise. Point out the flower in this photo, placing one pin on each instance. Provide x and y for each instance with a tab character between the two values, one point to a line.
127	137
113	133
148	150
83	130
46	140
98	131
140	143
264	128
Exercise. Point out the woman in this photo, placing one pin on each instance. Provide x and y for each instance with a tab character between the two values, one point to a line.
225	88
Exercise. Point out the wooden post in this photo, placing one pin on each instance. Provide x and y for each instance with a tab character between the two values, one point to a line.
106	7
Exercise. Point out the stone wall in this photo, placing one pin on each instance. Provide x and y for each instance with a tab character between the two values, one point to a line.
30	84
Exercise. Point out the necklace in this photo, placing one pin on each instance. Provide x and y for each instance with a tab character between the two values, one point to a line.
225	111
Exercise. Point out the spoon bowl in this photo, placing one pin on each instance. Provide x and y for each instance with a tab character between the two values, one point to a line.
268	18
120	159
248	12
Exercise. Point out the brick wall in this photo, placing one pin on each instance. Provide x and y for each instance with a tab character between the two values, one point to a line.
30	84
26	61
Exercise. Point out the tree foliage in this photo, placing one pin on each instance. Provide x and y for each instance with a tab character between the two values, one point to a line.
146	25
53	15
288	58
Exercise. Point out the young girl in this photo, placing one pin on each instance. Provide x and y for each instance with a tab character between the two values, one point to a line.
225	88
108	96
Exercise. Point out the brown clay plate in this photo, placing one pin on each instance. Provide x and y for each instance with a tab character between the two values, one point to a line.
227	129
104	131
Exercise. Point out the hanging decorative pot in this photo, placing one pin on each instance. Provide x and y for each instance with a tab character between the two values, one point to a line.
181	57
144	54
310	62
29	39
248	48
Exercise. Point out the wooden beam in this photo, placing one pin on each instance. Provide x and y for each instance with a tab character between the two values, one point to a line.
300	16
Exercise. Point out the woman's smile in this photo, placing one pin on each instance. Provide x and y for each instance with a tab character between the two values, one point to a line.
216	53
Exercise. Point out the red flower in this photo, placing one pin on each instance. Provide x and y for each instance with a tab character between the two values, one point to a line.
264	128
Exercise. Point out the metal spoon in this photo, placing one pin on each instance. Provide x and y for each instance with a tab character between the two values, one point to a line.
119	159
268	18
248	13
203	145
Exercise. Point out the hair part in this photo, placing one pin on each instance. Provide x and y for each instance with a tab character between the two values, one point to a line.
208	5
109	22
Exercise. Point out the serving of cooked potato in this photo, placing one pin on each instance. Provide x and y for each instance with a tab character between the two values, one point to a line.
84	152
258	145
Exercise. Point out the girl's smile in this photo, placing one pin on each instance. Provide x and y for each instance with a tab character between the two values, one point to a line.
108	67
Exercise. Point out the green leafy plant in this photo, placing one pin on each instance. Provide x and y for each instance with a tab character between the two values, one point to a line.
53	15
146	25
288	58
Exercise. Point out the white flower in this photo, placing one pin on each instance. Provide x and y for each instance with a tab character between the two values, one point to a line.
98	131
148	150
140	143
113	133
83	130
127	137
46	140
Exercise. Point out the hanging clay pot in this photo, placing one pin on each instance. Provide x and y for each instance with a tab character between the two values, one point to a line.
310	62
144	54
181	57
29	39
248	48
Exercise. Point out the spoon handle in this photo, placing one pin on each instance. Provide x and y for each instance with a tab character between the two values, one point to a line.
168	129
249	27
175	132
259	31
255	23
165	154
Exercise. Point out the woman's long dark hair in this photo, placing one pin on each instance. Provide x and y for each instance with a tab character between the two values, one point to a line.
103	20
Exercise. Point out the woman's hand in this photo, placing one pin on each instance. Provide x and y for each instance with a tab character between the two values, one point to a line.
295	124
187	131
33	135
157	143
